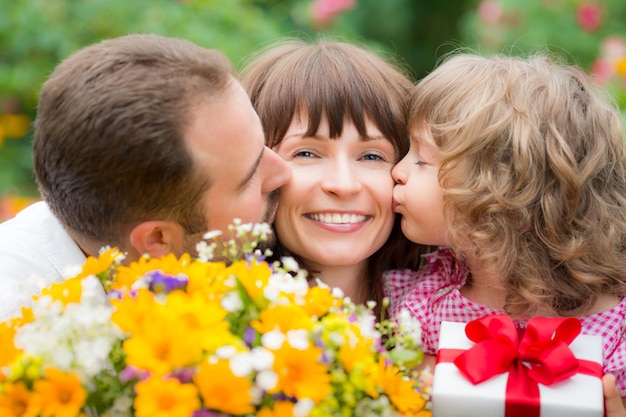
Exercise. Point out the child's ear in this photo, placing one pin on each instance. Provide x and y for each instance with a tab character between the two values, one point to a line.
157	238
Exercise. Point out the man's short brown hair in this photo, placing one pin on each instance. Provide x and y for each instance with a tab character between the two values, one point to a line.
108	147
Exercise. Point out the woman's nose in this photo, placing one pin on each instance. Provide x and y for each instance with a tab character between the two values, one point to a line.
341	178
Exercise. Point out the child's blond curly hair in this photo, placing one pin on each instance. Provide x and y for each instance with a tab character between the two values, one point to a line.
534	176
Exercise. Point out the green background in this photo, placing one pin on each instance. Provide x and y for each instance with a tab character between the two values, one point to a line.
35	35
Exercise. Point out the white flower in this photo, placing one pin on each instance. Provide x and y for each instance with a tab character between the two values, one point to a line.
232	302
77	338
212	234
290	264
303	407
226	352
298	339
267	379
241	364
337	292
410	326
262	358
273	340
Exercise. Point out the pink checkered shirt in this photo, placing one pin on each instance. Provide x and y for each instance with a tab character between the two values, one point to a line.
432	295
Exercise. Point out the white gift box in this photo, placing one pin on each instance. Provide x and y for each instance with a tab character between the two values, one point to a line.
454	396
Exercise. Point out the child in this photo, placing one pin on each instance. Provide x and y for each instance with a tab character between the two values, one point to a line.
517	170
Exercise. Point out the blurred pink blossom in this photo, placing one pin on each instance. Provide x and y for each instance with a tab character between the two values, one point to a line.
324	11
613	47
612	60
490	11
589	16
602	70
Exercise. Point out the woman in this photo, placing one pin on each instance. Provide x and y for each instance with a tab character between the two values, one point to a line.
336	113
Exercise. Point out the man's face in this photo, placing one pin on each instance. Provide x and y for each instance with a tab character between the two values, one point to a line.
227	144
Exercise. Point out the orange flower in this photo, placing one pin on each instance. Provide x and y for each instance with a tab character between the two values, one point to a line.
15	401
60	394
158	397
280	409
8	351
300	374
401	391
222	390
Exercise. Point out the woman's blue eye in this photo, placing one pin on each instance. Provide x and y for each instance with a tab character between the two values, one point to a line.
304	154
420	163
373	157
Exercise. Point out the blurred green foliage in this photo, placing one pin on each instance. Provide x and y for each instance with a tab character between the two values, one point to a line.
35	35
588	33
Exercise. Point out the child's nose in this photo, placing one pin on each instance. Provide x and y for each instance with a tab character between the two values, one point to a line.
399	173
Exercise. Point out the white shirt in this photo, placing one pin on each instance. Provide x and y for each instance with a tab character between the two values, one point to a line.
35	251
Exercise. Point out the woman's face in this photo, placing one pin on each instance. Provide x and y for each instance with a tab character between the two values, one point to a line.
336	210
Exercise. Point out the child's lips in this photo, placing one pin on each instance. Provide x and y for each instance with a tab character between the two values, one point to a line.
394	205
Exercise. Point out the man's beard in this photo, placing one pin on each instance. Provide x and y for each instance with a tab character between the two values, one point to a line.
272	205
191	240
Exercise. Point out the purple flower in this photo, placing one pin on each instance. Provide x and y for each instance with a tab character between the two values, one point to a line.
249	336
130	372
184	375
162	283
208	413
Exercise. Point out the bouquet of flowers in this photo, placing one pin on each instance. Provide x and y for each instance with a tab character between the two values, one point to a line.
180	337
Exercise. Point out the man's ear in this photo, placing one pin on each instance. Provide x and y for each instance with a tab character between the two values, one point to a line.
157	238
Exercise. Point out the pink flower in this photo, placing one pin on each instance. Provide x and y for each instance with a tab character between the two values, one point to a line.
324	11
613	47
589	16
602	70
490	11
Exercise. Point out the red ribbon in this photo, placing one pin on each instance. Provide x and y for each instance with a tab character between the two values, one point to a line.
542	356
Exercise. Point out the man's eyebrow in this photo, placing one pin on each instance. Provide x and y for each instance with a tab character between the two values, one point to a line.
252	171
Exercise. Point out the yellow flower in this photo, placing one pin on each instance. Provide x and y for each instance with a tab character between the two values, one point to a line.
253	277
60	394
97	265
280	409
400	391
15	125
318	301
26	317
359	353
157	397
15	401
208	279
67	292
168	265
130	311
222	390
206	318
284	318
162	344
8	351
300	374
621	67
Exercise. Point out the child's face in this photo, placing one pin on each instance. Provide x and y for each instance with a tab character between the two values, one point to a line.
418	196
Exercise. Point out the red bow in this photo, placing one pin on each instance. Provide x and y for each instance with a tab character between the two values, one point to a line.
542	356
544	347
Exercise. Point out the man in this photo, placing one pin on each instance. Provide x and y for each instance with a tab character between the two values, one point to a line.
141	142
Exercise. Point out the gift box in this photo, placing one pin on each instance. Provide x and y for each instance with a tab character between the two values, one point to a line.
488	368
